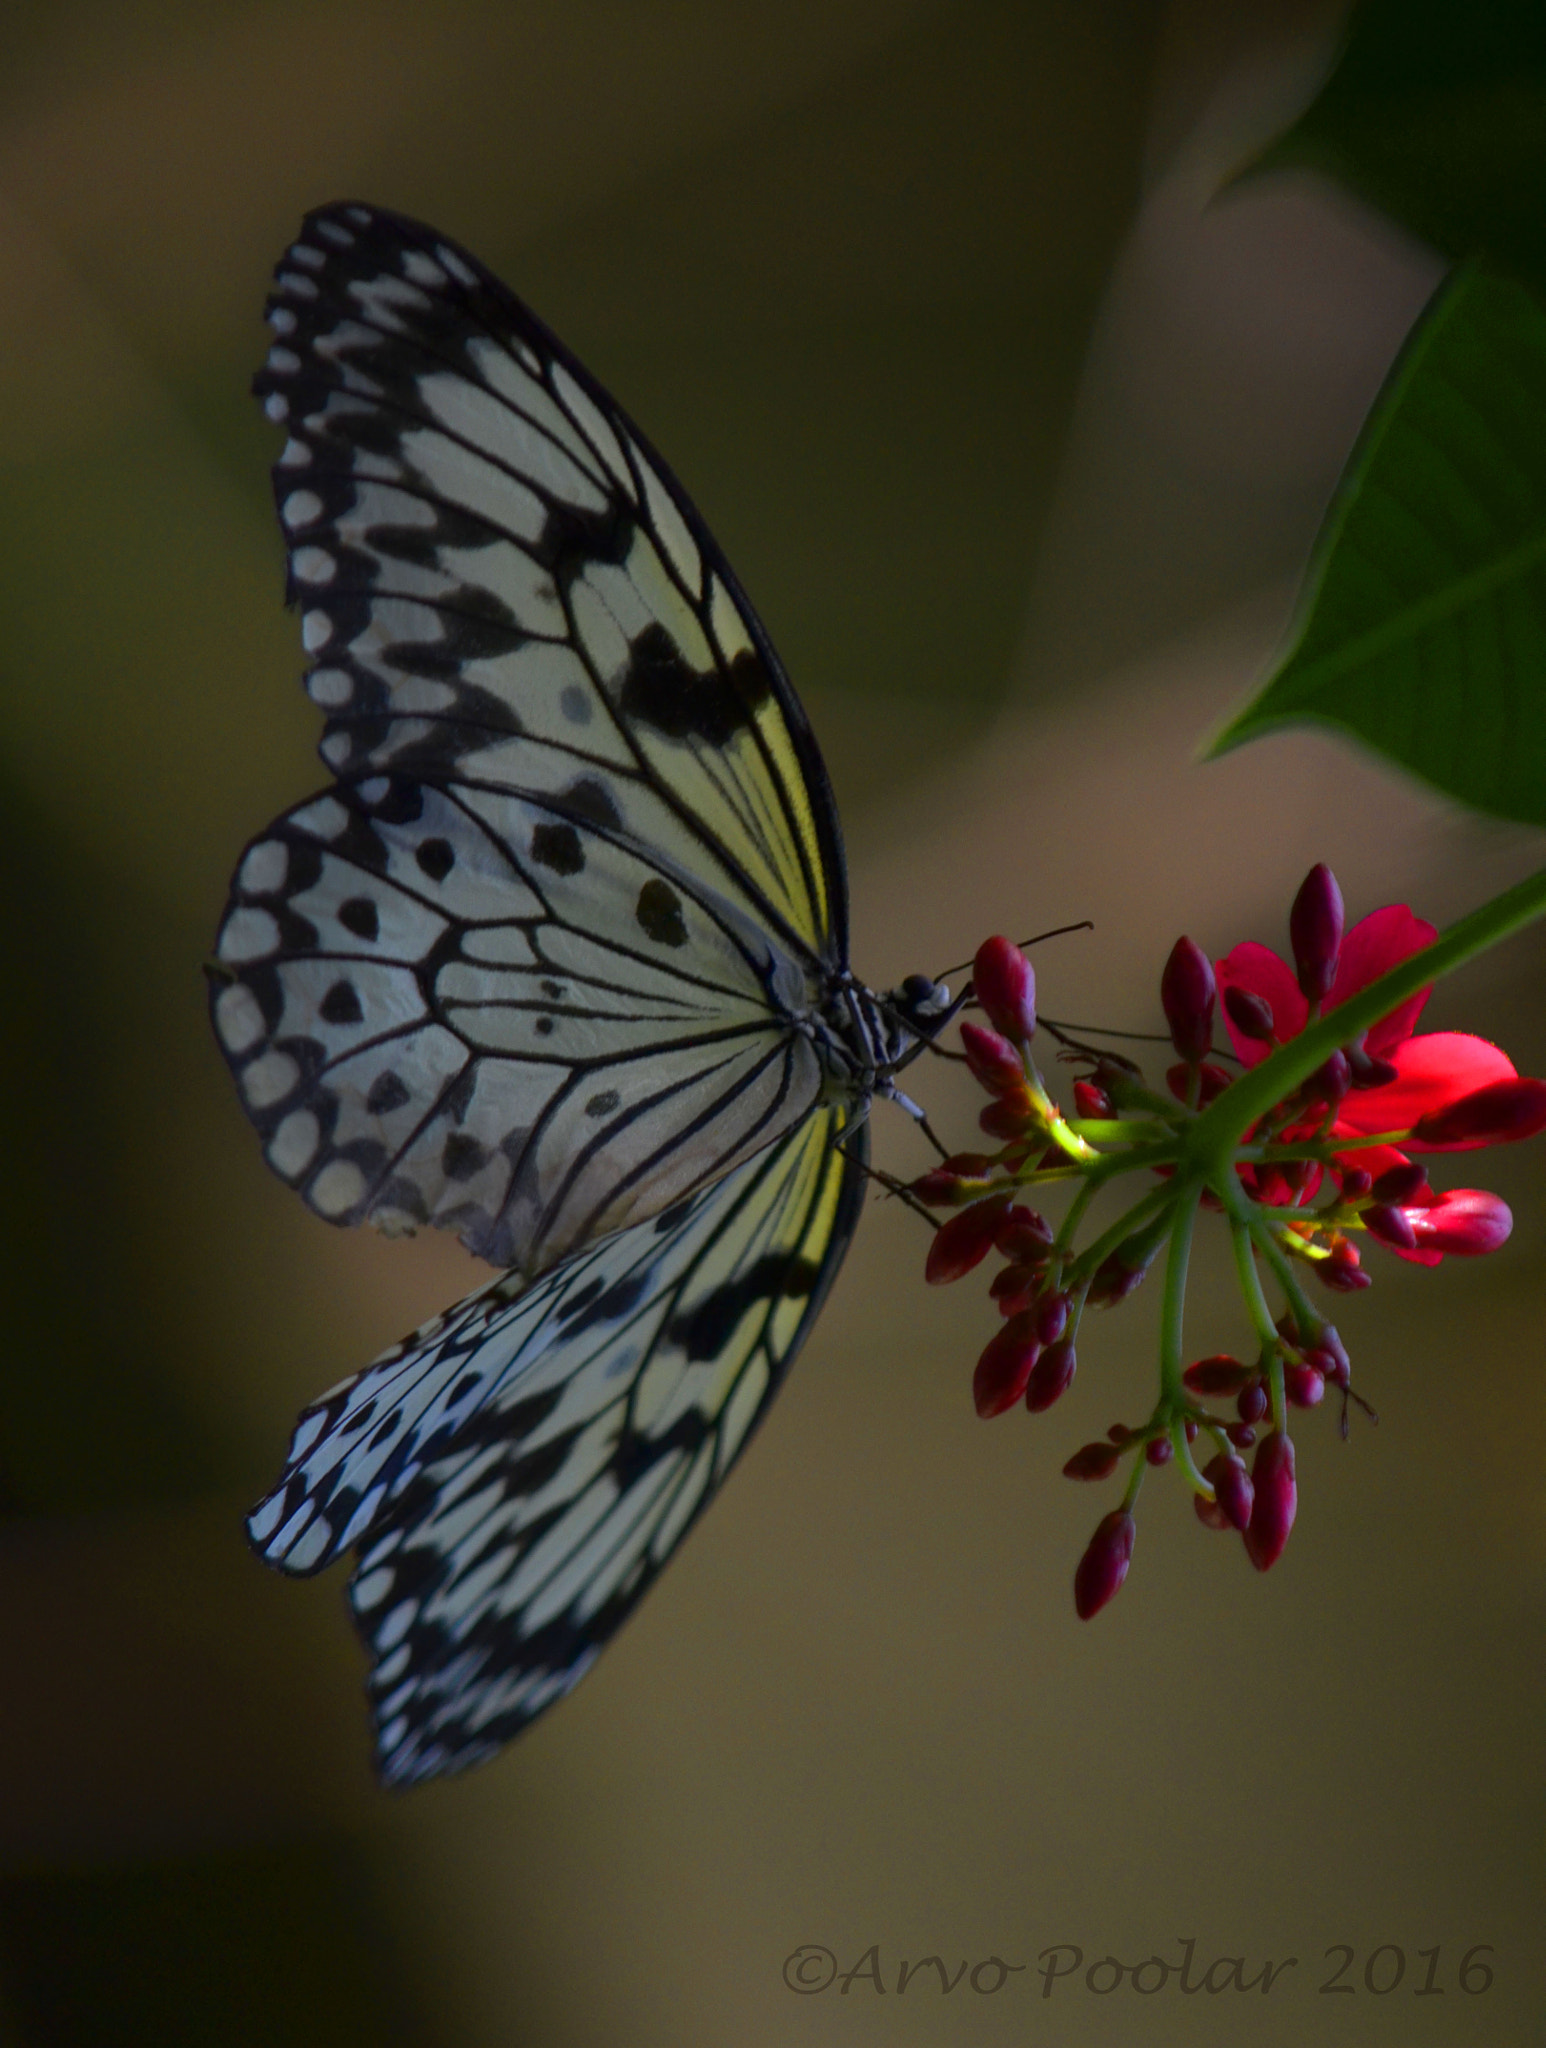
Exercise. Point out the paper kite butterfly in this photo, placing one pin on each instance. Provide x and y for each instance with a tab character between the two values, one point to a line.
558	961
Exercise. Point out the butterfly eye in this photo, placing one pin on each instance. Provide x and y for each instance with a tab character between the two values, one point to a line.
923	999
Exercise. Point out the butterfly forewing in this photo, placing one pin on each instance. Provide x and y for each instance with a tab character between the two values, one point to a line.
515	1474
485	550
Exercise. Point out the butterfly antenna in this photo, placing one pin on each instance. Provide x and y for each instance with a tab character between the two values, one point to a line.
1058	931
891	1184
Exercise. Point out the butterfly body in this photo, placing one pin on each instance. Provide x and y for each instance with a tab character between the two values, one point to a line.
558	961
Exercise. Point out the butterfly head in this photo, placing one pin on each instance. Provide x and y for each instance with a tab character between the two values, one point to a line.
914	1012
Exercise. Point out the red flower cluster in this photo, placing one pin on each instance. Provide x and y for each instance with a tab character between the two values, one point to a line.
1446	1091
1330	1162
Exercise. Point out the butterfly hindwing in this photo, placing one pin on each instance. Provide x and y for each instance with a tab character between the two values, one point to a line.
514	1475
461	1007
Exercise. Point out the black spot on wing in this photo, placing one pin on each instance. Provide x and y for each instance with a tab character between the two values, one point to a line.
297	934
590	798
341	1004
750	678
604	1103
663	691
609	1305
400	803
660	914
461	1157
710	1324
436	857
359	915
558	847
387	1092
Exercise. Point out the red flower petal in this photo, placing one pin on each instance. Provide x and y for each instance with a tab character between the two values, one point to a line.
1432	1070
1465	1221
1258	969
1377	943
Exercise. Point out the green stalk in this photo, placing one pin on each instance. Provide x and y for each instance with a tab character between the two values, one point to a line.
1173	1314
1305	1315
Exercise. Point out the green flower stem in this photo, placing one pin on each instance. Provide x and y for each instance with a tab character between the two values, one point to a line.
1095	1178
1172	1316
1106	1166
1250	1280
1113	1130
1135	1480
1305	1315
1127	1225
1279	1396
1187	1462
1209	1143
1075	1216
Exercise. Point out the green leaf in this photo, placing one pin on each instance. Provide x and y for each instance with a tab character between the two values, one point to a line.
1422	630
1436	113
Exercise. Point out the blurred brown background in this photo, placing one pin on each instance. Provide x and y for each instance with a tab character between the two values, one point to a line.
1019	441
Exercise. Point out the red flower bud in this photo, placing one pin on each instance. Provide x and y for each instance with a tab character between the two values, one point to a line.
1331	1082
1159	1450
993	1060
1328	1340
1368	1071
1104	1565
1092	1461
1052	1318
1119	1432
1276	1498
1342	1279
1008	1119
1315	932
1004	982
1498	1114
1250	1014
1251	1403
1355	1183
1465	1221
1331	1365
1024	1234
1187	993
1231	1485
1390	1226
1240	1434
1050	1377
1014	1288
1303	1385
964	1241
1401	1186
1120	1274
1211	1082
1091	1101
1220	1374
954	1180
1209	1513
1005	1367
1191	1430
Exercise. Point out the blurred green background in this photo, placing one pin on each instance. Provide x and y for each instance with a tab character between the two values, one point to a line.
1019	442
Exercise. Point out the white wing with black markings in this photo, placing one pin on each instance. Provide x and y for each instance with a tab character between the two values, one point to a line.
514	1475
538	964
